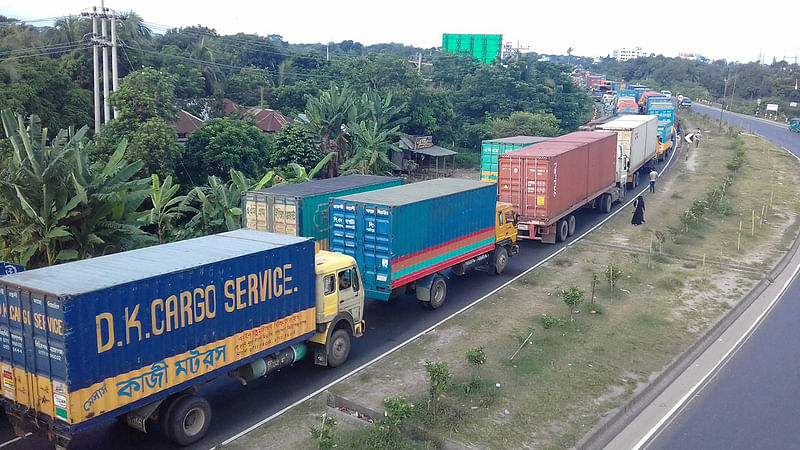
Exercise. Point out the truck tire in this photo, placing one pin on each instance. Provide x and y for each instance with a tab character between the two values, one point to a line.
562	230
438	293
339	348
500	260
571	223
188	419
605	203
165	411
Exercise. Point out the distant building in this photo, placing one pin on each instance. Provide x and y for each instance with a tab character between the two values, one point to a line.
267	120
692	57
625	54
186	124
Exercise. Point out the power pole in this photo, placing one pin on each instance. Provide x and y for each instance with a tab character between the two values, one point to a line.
114	71
95	52
103	32
101	41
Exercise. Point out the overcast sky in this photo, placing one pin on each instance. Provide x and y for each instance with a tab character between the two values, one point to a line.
592	28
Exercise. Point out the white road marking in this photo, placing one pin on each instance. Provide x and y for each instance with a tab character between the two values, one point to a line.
724	359
13	440
409	340
743	338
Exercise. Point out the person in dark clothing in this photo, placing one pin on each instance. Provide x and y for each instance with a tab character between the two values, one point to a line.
638	212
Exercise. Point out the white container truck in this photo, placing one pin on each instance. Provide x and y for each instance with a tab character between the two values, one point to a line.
637	143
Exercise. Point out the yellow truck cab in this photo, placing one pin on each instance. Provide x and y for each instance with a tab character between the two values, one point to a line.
505	232
340	307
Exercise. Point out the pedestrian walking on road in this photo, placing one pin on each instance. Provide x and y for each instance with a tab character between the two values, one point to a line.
638	211
653	177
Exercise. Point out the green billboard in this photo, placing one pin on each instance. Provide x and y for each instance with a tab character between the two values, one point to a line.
484	47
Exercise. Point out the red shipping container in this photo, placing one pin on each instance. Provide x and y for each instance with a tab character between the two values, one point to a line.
548	181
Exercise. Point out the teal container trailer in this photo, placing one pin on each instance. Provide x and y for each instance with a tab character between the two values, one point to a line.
302	209
492	148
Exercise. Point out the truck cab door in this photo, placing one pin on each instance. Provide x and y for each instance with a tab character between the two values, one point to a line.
351	293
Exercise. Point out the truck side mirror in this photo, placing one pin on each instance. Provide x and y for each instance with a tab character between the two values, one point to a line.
516	220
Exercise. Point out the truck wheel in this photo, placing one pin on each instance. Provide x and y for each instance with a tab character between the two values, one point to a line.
571	222
188	419
605	203
438	293
562	230
500	260
339	348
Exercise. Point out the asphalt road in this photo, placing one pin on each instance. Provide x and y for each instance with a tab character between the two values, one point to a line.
235	408
751	402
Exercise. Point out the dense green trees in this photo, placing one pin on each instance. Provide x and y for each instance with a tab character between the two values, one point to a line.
225	144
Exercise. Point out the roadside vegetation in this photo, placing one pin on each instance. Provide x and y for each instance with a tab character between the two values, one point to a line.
594	324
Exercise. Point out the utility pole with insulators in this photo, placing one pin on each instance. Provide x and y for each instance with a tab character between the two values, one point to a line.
101	41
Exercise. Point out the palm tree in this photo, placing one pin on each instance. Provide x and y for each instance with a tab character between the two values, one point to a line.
69	29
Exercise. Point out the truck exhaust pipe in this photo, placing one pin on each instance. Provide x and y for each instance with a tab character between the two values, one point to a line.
264	366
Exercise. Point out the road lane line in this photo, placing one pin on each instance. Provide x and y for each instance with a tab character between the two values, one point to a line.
406	342
389	352
13	440
743	338
668	416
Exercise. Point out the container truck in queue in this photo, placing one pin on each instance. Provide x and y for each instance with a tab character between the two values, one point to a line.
491	148
664	109
627	106
134	334
548	182
637	142
404	238
302	209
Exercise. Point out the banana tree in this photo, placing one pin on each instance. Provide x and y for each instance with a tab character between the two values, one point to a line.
217	206
325	116
107	220
300	173
166	207
35	196
373	146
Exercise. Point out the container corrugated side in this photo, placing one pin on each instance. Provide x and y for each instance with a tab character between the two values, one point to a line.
395	244
549	180
302	209
79	355
491	149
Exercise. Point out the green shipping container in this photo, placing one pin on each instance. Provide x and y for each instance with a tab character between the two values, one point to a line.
492	148
302	209
484	47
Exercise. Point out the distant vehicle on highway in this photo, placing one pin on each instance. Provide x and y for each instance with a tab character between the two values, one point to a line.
667	94
686	102
794	125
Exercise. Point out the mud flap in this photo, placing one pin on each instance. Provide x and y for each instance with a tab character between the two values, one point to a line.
424	286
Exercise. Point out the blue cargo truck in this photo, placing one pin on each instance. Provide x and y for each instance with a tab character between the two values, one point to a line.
132	335
664	109
403	238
